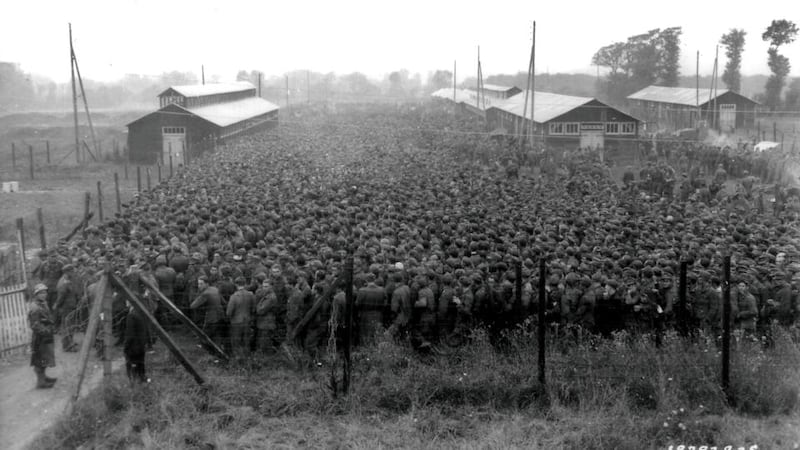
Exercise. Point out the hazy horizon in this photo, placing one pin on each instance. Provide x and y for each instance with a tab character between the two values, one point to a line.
145	37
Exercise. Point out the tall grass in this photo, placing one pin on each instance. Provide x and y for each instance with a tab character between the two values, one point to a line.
601	393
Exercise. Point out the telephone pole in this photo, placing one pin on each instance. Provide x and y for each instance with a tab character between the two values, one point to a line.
74	98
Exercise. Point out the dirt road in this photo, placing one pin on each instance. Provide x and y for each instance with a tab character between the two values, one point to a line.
26	411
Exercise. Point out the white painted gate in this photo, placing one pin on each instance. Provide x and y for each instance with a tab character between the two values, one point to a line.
15	334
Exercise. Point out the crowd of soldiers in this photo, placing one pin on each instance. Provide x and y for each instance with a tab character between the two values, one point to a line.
252	240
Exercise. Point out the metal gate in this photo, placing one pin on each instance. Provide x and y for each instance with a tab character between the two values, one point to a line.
15	334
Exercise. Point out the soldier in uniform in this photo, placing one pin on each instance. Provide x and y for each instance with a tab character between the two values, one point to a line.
370	303
66	302
214	316
40	319
268	337
240	314
135	343
50	272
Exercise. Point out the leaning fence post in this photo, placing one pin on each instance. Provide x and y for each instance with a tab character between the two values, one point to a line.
138	178
116	192
726	325
87	206
40	219
99	202
541	330
21	231
88	340
47	146
108	332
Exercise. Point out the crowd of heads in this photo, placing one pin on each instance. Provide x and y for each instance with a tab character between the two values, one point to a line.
416	196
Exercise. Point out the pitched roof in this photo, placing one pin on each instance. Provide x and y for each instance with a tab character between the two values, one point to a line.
546	105
220	114
199	90
676	95
496	87
229	113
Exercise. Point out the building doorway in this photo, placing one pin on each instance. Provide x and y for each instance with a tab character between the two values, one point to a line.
174	142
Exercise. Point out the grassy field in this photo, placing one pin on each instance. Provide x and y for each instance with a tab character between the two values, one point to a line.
59	187
621	393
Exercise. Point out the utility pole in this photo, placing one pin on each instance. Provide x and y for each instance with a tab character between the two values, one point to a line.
697	88
533	79
203	73
716	84
523	126
85	103
74	98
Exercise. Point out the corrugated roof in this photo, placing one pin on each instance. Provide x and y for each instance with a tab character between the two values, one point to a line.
199	90
229	113
675	95
546	105
496	87
467	96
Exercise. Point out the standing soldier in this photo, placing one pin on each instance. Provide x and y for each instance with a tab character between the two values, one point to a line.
370	303
66	302
211	301
268	336
401	306
50	272
40	319
135	343
240	314
165	277
747	307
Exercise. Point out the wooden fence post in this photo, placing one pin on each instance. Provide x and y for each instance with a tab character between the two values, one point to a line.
87	206
138	178
348	311
30	159
108	332
116	192
126	171
47	146
159	174
21	231
99	202
170	164
148	178
88	341
40	219
542	324
726	325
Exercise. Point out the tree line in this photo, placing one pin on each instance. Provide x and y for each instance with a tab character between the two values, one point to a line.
653	58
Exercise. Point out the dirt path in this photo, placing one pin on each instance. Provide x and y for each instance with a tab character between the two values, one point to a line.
26	411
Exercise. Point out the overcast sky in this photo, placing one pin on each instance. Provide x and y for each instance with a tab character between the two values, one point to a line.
116	37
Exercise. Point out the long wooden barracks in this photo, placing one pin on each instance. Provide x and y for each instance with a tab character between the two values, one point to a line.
191	118
558	120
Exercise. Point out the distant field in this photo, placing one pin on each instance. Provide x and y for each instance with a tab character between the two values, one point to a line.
59	187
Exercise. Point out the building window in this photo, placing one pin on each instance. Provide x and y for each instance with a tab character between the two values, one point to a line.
173	130
628	128
556	128
612	128
572	128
